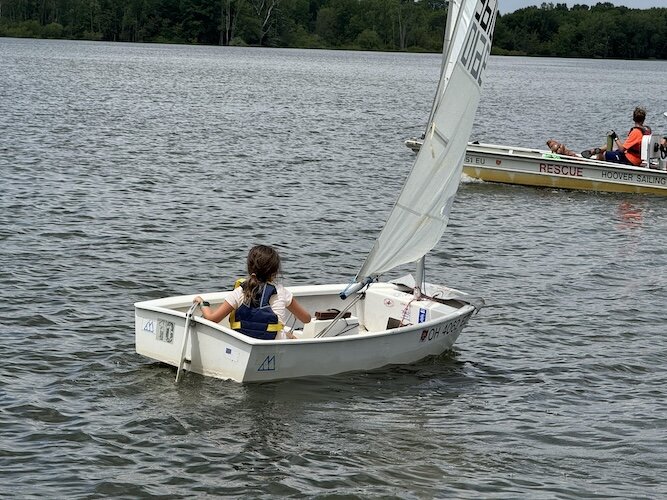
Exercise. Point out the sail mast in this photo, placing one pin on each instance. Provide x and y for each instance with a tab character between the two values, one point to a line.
419	278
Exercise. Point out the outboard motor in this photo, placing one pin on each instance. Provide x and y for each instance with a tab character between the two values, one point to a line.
654	152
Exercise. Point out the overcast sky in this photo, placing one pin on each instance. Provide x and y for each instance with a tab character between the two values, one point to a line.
507	6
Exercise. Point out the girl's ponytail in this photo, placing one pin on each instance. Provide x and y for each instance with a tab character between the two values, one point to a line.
263	265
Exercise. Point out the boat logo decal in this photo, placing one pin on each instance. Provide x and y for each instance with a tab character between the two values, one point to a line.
388	302
498	162
422	315
269	364
149	325
165	331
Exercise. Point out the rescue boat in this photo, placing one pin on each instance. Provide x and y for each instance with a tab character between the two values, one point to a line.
542	168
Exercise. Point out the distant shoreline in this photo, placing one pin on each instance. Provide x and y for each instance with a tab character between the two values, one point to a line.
582	32
494	52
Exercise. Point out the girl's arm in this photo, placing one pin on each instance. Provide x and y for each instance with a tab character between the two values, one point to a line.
216	315
299	312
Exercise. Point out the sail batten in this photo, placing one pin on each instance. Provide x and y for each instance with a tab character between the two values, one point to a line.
421	213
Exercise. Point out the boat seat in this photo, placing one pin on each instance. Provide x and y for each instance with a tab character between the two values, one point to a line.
344	326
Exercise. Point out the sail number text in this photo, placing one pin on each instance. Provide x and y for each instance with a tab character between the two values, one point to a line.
477	46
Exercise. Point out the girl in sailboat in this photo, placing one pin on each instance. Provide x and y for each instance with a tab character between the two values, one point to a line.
258	307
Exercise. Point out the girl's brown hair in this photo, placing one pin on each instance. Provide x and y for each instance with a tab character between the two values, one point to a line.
263	265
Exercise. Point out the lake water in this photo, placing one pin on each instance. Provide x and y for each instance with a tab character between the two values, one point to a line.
131	172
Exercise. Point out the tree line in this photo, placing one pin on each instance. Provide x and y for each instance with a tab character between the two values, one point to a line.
600	31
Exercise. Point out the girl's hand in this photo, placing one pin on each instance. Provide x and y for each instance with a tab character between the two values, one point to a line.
198	300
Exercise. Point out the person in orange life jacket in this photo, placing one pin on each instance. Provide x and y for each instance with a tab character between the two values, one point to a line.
258	306
629	151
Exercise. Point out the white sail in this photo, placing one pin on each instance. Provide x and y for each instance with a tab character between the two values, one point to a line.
420	215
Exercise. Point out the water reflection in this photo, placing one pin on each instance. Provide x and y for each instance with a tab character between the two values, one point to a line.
630	216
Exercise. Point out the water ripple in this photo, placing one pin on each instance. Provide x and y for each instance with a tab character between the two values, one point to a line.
133	172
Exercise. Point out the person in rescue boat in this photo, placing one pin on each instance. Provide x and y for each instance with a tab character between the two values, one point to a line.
257	306
629	151
559	148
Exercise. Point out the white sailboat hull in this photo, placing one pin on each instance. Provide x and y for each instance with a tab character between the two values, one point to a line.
431	328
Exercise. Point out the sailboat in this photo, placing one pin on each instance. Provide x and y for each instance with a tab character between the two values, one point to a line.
375	323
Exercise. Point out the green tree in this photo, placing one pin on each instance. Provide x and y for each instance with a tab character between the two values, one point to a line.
369	40
52	30
325	26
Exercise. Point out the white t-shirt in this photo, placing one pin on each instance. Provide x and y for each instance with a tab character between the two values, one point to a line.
278	302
